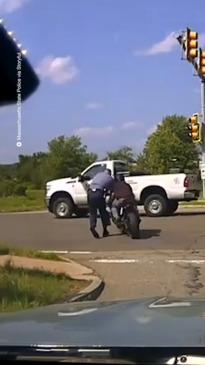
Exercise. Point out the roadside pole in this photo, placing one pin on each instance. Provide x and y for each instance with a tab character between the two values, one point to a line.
202	165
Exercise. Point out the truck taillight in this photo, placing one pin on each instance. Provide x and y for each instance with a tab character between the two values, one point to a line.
186	182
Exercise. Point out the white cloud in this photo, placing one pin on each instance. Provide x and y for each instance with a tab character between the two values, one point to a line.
60	70
8	6
168	44
130	125
94	105
107	130
95	132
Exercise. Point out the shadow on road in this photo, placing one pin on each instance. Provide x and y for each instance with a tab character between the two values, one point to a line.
149	233
144	233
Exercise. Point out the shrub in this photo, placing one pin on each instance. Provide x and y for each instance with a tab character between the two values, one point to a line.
20	190
6	187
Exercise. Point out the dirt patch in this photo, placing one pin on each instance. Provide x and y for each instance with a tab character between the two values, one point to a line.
194	284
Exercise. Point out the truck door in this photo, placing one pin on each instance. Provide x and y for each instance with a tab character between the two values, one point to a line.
81	187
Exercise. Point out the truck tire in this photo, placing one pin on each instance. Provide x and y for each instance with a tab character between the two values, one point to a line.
63	207
81	213
172	207
155	205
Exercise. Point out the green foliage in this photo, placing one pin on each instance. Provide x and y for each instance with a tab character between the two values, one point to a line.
20	190
8	171
6	187
6	250
22	203
32	169
35	194
22	288
169	146
67	157
125	154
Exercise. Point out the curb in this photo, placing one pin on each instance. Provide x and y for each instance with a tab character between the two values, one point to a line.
92	292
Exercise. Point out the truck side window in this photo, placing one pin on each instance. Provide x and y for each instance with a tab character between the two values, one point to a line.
94	170
120	167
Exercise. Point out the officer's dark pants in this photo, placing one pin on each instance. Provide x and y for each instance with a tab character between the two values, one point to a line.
96	202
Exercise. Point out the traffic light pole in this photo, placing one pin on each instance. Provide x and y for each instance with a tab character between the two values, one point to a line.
203	145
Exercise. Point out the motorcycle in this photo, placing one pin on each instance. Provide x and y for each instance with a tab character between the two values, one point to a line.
128	221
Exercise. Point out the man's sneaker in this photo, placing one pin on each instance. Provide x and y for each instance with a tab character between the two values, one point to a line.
94	233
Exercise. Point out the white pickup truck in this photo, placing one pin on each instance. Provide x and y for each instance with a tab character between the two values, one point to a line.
159	194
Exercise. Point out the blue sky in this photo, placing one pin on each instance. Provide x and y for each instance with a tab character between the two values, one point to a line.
110	70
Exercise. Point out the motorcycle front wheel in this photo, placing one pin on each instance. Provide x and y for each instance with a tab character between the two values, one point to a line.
133	225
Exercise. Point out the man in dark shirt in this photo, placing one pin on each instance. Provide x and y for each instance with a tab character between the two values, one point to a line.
101	183
122	192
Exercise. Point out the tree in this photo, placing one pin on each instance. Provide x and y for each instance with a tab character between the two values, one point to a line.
67	156
169	146
31	168
8	171
125	153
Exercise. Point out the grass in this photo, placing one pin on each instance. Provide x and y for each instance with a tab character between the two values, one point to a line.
23	289
194	203
5	250
34	200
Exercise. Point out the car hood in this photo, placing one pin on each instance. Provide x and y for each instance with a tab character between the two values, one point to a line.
151	322
62	181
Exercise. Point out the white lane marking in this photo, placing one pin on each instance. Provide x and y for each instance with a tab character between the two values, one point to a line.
115	261
79	313
125	261
67	252
80	252
186	261
135	261
53	251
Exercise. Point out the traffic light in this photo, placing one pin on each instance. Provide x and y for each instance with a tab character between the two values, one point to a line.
191	44
201	63
195	129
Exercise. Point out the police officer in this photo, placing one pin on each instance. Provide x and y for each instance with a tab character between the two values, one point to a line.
101	183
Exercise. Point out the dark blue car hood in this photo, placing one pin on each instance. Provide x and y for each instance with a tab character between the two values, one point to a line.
152	322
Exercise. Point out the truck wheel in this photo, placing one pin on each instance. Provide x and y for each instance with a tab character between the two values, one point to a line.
63	208
155	205
172	207
81	213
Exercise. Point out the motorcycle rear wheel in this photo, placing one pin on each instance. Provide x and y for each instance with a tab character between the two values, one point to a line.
133	225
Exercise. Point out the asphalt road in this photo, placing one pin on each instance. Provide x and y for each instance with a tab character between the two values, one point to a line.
169	259
182	231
